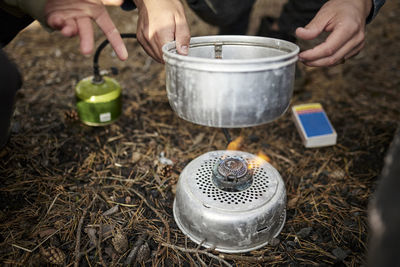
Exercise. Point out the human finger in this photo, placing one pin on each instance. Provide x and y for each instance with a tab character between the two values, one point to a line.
146	45
70	28
107	26
337	39
182	35
314	28
355	51
85	34
55	21
163	36
338	57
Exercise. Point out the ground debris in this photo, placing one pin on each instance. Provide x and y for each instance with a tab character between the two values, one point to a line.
120	242
53	255
304	232
104	195
340	254
143	253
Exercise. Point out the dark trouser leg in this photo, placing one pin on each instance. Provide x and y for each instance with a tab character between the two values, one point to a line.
384	216
10	83
231	16
298	14
10	26
10	77
294	14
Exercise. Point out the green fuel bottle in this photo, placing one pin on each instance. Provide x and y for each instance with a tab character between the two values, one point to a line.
98	103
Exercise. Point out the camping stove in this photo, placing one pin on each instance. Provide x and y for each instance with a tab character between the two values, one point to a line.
229	200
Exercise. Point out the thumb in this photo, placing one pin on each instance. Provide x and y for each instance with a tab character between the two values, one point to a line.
182	37
314	28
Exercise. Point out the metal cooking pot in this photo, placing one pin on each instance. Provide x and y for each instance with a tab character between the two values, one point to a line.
231	81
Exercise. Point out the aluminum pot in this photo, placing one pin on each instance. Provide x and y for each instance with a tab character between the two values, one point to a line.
231	81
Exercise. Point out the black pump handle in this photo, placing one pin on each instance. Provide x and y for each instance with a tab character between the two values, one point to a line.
96	69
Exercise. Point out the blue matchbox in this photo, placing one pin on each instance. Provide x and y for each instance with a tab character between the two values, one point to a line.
313	125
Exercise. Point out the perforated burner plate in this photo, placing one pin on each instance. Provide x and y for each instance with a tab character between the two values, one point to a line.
198	180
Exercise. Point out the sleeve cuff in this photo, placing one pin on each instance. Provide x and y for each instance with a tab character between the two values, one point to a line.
35	8
376	5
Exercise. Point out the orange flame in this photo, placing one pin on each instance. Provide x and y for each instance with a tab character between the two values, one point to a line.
235	144
261	157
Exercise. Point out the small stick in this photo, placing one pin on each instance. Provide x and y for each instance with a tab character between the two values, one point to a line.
249	259
78	233
227	135
99	245
196	251
52	203
32	250
200	260
159	215
132	254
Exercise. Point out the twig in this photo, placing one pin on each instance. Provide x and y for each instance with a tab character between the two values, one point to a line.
200	260
274	154
111	211
249	259
99	245
52	204
196	251
32	250
132	254
94	246
159	215
78	233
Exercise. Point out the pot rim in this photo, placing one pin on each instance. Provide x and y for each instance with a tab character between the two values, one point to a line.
169	49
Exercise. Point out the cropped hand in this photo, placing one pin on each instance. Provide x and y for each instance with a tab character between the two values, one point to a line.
74	17
345	20
162	21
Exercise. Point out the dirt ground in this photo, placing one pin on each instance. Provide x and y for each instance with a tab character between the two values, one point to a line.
77	195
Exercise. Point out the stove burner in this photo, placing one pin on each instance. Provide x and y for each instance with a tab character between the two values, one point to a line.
232	174
232	167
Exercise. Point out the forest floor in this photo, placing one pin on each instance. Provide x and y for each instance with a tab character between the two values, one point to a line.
73	194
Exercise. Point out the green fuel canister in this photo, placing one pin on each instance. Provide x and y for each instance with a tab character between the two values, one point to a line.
98	102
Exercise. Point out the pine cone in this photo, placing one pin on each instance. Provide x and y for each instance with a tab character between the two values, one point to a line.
71	115
165	170
53	255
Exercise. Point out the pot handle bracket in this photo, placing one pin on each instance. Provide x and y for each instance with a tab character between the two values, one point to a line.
218	50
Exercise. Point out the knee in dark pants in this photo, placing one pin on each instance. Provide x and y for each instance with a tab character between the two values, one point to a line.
221	12
384	214
9	75
11	82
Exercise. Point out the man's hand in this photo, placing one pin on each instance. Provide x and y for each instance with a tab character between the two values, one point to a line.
345	19
73	17
162	21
